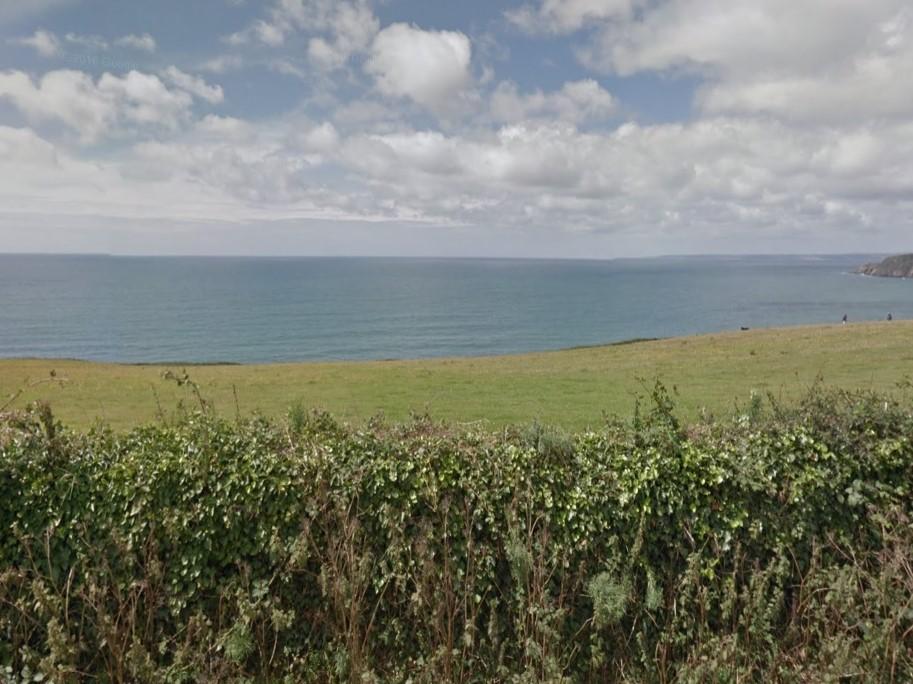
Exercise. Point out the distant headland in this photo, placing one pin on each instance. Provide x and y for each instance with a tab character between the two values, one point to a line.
899	266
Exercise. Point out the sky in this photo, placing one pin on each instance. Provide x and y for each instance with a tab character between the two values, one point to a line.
521	128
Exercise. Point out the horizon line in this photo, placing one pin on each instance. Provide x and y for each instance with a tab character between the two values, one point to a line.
695	255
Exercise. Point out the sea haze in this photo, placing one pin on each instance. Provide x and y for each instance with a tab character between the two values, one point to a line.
206	309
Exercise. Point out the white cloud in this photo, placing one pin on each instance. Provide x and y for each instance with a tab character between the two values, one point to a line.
338	29
23	146
721	175
145	42
714	179
94	109
48	44
350	27
41	179
287	68
215	179
429	67
88	42
813	62
224	127
564	16
870	88
260	176
875	81
801	126
321	139
44	42
575	102
262	31
742	36
368	115
194	85
222	64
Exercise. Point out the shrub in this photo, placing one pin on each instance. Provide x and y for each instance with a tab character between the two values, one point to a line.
771	548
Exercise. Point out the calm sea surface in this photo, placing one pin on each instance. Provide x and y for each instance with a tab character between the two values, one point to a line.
265	309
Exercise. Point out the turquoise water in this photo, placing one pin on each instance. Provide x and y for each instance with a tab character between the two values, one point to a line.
278	309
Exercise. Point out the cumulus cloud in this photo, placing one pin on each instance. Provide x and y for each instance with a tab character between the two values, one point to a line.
350	28
48	44
194	85
428	67
92	108
874	81
222	177
87	42
143	42
224	127
367	115
565	16
873	87
43	42
260	30
801	124
742	36
575	102
322	138
271	173
722	174
41	179
813	62
23	146
338	29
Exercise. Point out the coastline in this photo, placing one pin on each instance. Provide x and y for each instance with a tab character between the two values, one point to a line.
739	332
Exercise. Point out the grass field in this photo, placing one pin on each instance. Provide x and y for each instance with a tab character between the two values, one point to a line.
571	388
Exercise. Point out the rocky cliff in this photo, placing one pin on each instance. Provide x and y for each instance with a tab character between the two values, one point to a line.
900	266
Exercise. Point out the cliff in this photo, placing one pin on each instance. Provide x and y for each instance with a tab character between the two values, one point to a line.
900	266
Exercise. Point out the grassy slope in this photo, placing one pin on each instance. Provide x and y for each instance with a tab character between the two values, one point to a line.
569	388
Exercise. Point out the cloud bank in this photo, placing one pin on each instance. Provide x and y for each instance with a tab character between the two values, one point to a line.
798	134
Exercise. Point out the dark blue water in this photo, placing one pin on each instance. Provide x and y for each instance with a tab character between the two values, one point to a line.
262	309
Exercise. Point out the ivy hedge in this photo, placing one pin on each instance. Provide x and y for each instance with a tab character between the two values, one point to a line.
776	546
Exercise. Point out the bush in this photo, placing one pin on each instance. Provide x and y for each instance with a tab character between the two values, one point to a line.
774	547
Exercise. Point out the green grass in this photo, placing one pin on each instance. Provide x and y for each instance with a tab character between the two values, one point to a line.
571	388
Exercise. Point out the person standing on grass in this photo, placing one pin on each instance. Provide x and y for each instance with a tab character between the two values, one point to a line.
890	316
844	319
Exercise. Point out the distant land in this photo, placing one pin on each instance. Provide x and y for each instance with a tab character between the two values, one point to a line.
898	266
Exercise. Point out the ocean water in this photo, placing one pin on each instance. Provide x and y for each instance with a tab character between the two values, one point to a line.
146	309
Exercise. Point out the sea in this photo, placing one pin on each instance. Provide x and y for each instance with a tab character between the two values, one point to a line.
253	309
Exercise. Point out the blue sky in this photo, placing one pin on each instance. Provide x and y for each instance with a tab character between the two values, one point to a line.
572	128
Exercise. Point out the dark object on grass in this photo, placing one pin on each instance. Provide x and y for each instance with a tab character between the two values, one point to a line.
745	327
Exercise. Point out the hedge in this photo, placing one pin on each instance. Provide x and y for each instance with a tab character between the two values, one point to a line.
776	546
